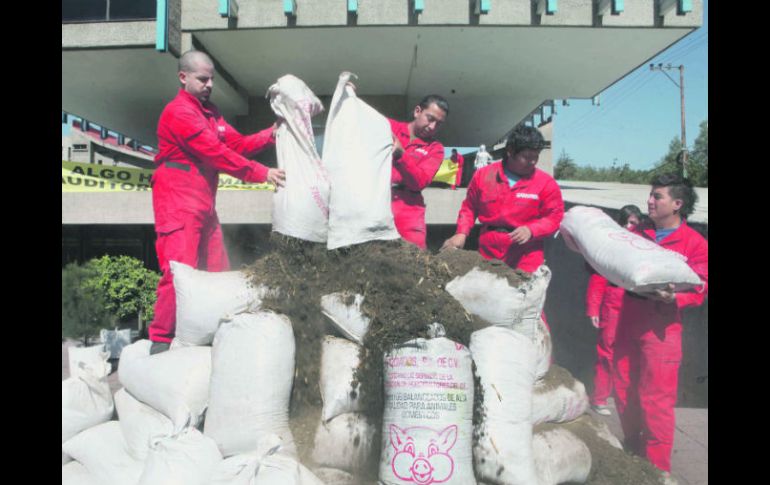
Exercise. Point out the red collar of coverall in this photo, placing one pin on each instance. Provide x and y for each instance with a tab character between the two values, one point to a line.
501	177
208	107
402	132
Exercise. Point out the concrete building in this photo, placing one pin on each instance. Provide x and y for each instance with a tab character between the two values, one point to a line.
87	143
498	62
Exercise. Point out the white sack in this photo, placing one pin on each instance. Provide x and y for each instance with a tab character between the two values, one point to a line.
346	315
86	400
140	423
505	365
175	383
268	465
339	359
102	451
560	457
492	298
204	298
115	340
358	151
301	207
251	380
188	458
91	360
427	422
543	348
624	258
558	404
74	473
344	443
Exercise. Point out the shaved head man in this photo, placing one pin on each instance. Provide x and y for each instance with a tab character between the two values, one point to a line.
196	144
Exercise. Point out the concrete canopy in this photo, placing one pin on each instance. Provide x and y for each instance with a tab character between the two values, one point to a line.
492	76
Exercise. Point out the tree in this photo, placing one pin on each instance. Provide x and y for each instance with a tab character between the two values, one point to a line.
566	168
698	163
83	309
128	287
671	162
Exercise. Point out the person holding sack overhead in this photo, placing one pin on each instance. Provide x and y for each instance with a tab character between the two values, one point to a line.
648	342
195	144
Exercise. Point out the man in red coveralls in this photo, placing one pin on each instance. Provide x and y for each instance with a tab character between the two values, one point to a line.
195	144
416	159
517	204
648	342
459	160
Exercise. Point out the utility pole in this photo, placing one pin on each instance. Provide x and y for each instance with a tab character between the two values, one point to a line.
660	67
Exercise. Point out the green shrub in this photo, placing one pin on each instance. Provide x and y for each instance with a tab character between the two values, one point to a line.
127	286
83	309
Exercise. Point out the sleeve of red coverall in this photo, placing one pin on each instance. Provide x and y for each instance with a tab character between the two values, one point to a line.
248	145
417	170
195	136
595	293
551	213
698	260
466	218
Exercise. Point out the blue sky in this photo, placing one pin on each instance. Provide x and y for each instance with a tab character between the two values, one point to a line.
639	116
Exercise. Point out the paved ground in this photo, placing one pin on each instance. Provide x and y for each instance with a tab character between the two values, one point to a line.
689	463
691	442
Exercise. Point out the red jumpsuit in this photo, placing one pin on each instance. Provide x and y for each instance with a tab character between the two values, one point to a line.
412	171
458	180
603	300
194	144
648	352
534	201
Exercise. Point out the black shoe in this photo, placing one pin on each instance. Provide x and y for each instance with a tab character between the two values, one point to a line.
158	347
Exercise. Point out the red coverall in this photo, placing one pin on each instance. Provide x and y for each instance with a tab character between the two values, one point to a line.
534	201
459	161
412	171
648	351
603	299
194	144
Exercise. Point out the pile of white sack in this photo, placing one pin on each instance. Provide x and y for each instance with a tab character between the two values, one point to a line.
427	429
214	409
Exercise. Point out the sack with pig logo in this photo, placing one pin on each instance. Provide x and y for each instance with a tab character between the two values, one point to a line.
427	424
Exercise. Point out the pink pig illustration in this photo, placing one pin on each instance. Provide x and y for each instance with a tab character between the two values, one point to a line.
422	454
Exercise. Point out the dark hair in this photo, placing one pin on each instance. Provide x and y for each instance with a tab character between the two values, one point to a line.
678	188
437	100
525	137
626	212
454	150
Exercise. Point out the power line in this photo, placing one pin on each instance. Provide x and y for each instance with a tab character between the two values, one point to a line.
616	98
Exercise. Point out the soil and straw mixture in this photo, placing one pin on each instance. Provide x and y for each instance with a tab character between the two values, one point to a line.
403	290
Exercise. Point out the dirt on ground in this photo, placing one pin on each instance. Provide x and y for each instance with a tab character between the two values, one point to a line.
609	465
